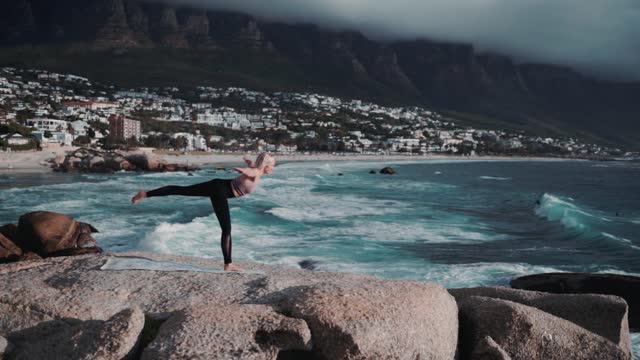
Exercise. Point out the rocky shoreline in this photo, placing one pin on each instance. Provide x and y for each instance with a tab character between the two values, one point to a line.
88	160
60	307
75	307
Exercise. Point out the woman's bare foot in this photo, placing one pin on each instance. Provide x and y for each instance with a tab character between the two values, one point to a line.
141	195
231	267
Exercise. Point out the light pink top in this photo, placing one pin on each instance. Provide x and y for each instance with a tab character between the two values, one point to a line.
243	185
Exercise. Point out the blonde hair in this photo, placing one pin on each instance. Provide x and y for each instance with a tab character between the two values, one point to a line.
263	160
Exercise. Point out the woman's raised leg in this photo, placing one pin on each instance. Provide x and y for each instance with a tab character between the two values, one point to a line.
201	189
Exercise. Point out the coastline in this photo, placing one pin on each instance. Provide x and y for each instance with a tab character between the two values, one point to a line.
35	161
144	306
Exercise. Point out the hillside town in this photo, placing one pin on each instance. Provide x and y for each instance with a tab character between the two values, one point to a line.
40	108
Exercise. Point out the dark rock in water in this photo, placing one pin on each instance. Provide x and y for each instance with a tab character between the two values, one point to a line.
372	172
190	174
45	232
525	332
625	286
220	168
605	315
139	160
309	264
387	170
340	174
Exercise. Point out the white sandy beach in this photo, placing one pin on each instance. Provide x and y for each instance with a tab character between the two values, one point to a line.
30	161
34	161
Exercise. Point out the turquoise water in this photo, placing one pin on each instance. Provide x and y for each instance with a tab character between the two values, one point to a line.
457	223
453	222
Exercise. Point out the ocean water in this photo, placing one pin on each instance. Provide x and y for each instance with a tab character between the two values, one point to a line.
458	223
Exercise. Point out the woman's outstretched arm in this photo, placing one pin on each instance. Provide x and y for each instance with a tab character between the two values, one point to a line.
250	172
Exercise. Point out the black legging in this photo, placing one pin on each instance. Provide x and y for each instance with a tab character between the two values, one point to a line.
218	190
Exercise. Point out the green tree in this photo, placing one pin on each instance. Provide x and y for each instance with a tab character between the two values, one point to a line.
47	134
179	143
132	142
23	115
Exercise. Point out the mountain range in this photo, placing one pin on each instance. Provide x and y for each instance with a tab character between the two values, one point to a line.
136	43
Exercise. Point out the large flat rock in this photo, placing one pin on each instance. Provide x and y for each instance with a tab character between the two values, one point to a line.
524	332
215	331
625	286
382	318
113	339
361	321
605	315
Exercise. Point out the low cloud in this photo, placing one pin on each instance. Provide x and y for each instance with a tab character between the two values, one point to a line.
594	36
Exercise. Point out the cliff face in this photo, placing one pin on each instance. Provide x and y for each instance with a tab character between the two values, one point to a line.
451	76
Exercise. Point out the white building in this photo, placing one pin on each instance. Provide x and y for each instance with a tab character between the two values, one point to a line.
48	124
79	128
14	139
57	137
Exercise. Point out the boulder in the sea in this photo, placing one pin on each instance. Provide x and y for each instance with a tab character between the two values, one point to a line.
605	315
71	163
113	339
524	332
45	232
372	172
214	331
96	161
139	160
381	320
625	286
8	250
387	170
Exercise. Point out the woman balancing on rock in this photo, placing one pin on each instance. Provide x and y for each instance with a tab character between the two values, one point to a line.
219	190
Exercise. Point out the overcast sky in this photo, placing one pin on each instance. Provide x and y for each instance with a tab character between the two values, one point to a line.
596	36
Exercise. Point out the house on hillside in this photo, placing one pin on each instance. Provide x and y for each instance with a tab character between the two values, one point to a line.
14	139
